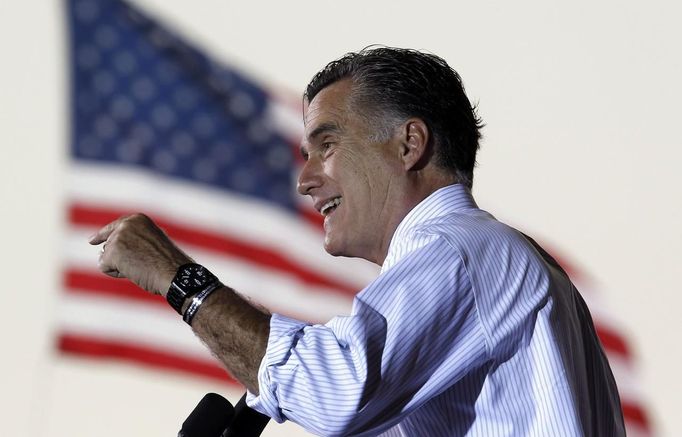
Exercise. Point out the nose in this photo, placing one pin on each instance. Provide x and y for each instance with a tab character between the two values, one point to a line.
310	177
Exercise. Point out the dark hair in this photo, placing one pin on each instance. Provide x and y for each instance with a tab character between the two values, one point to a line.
396	84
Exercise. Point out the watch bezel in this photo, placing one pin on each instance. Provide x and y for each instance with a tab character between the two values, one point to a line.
178	292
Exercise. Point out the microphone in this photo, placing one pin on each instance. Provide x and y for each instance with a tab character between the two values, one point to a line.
209	418
247	422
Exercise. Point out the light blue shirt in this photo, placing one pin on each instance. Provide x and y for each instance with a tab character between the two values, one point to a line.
470	330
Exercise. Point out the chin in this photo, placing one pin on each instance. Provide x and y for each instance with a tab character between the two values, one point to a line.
334	248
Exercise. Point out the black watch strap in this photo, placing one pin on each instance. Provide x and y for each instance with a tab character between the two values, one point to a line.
189	280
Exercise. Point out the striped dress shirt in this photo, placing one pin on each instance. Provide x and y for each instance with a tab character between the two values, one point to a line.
471	329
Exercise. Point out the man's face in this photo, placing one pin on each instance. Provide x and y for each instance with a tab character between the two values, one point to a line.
351	179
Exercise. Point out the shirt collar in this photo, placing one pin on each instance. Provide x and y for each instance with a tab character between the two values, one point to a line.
441	202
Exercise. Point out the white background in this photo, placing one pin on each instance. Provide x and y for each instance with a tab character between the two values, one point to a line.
582	150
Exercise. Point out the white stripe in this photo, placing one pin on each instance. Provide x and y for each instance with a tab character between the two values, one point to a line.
285	119
599	308
131	322
628	386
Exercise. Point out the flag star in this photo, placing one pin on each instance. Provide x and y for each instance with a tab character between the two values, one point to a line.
183	144
129	151
104	82
241	105
258	131
203	125
125	62
142	133
243	179
185	98
105	127
163	116
279	158
145	49
205	170
122	108
164	161
86	11
222	153
106	37
167	72
143	88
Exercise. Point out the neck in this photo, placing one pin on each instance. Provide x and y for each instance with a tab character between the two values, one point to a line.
419	187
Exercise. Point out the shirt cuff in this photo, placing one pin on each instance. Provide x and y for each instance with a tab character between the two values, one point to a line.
283	334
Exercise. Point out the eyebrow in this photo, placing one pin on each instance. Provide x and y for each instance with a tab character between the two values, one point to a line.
329	127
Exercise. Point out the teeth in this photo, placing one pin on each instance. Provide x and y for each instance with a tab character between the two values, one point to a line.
329	205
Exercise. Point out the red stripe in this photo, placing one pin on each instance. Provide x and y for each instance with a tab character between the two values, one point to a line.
125	351
613	342
229	245
78	281
634	413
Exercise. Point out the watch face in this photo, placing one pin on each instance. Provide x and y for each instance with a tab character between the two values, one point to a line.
192	277
188	281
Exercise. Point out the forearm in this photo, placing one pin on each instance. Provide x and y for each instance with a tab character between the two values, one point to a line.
236	332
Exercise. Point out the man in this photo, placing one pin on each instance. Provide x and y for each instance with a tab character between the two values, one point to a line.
471	328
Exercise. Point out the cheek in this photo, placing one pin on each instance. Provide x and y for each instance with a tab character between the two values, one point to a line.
344	169
362	179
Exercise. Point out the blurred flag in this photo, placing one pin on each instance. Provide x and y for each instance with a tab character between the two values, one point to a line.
159	127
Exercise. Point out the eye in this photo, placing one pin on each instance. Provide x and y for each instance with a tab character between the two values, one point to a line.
326	147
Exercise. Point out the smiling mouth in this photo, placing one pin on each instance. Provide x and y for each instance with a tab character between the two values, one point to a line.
330	206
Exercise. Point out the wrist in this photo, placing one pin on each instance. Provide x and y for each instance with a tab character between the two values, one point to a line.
197	301
169	271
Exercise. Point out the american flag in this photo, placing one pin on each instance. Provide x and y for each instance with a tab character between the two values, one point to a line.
161	128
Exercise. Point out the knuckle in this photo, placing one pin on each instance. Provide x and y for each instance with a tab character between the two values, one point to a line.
123	225
140	218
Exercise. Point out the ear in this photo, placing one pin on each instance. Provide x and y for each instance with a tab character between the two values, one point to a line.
415	150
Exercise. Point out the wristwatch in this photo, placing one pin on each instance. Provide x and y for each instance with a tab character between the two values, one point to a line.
189	280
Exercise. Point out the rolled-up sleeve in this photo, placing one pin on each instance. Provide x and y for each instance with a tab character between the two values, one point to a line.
284	333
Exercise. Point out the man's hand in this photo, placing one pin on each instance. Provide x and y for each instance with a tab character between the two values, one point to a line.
136	248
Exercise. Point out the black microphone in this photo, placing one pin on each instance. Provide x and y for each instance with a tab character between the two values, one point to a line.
247	422
209	418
